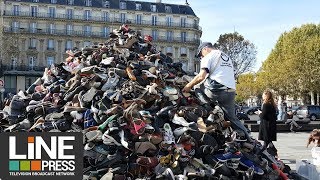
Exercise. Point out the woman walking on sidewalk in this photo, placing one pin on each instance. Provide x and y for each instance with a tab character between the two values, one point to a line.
268	118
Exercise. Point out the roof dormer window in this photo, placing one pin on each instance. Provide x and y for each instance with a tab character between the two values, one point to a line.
106	4
35	1
168	9
88	2
53	1
123	5
70	2
153	8
138	7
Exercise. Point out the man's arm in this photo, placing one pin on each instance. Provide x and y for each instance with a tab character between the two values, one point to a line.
196	80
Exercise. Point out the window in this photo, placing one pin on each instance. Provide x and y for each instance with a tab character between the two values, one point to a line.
16	10
50	44
52	12
86	43
87	15
33	43
50	60
153	8
183	51
123	17
13	63
139	19
169	21
87	30
154	34
15	26
69	45
32	62
33	27
53	1
35	1
168	9
10	83
34	11
51	28
169	35
184	65
106	4
88	3
183	22
105	16
183	36
70	2
105	31
154	20
169	51
69	13
30	80
69	29
138	7
123	5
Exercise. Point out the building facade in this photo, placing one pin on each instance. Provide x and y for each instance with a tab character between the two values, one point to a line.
36	33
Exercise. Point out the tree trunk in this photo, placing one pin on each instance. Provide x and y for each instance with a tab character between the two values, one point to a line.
318	98
312	98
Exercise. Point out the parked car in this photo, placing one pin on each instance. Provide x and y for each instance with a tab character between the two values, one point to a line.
311	112
252	110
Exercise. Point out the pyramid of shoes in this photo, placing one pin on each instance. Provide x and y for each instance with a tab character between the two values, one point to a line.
126	99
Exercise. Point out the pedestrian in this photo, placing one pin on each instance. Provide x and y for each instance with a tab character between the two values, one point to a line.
216	82
268	120
292	122
314	138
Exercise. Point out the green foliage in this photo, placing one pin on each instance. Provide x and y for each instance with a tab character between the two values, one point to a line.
242	52
293	66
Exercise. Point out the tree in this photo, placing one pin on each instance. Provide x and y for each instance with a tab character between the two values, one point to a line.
293	66
241	51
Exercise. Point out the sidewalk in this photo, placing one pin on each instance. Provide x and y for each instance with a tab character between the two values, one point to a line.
291	147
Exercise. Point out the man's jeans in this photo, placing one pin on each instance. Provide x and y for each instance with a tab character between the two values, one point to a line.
226	101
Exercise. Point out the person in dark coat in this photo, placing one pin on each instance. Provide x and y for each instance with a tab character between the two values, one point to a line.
268	118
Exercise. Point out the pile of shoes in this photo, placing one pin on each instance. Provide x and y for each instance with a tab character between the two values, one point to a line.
126	99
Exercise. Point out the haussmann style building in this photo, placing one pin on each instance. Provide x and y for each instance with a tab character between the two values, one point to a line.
36	33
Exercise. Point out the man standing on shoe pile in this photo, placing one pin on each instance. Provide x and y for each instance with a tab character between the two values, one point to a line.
219	82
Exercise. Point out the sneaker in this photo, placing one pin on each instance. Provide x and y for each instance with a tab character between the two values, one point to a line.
249	164
228	156
168	137
181	121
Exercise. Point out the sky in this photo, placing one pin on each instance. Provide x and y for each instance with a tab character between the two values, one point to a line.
259	21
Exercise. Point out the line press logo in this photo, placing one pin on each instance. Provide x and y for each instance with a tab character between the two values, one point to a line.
43	155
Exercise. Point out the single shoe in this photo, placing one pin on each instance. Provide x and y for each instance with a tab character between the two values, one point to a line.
181	121
168	137
130	74
228	156
249	164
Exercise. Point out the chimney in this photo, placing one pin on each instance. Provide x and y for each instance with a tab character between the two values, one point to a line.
158	1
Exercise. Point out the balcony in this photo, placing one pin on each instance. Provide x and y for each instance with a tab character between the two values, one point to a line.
22	70
101	19
50	48
178	40
57	32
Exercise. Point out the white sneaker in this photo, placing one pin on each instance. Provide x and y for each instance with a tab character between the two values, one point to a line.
181	121
168	137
